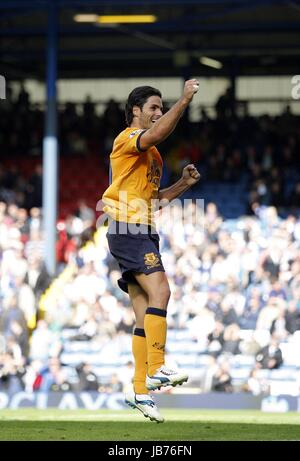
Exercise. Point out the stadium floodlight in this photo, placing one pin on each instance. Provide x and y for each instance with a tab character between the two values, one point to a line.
210	62
86	17
126	19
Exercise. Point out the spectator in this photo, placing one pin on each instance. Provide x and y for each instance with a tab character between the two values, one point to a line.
270	356
227	315
249	318
206	380
115	385
88	380
256	384
41	340
10	374
54	377
292	317
221	381
268	314
12	315
216	340
277	290
231	340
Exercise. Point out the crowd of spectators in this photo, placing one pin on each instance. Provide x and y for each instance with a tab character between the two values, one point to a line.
81	130
227	278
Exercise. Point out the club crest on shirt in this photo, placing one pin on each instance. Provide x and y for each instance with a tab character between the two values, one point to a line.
154	172
133	133
151	260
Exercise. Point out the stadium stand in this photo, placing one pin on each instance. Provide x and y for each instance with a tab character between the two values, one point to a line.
209	329
234	317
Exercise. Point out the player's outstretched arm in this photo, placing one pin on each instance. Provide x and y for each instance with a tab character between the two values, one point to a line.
164	126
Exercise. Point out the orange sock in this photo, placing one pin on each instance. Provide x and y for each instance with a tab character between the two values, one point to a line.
139	350
155	325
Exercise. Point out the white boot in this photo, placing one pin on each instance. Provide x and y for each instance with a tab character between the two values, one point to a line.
145	404
165	377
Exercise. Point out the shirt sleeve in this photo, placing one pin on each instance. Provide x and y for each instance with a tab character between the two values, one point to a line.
133	141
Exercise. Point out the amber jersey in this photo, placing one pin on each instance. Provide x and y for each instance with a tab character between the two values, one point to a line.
135	180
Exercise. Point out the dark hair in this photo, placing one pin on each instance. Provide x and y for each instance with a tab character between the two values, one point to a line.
138	97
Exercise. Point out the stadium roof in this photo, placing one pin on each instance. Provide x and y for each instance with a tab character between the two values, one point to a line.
248	37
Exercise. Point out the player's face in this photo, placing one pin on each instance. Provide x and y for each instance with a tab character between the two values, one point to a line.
151	111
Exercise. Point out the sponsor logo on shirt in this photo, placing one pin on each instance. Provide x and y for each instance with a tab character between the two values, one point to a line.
133	133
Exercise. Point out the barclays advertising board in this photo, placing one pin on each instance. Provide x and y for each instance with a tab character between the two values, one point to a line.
96	401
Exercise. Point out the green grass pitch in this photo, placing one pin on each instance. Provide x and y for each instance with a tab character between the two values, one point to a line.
185	425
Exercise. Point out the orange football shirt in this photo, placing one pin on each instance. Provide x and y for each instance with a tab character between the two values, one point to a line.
135	182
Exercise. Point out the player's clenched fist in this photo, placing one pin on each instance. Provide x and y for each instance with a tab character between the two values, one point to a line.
190	88
190	174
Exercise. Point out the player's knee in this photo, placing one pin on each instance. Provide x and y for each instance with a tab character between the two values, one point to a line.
161	295
166	293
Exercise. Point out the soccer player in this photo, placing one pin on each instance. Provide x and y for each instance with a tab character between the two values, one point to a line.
136	167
